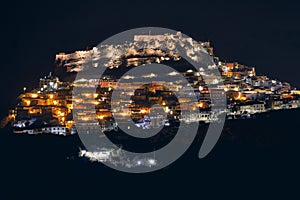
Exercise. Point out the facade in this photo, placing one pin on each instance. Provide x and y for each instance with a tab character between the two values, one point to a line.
252	108
56	130
48	84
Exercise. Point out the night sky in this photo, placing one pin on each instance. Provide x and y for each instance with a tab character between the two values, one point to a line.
252	158
264	35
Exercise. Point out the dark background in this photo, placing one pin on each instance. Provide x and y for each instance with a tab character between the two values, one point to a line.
260	34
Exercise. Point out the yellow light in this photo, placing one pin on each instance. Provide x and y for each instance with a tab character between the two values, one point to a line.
100	117
34	95
85	118
96	102
51	96
143	111
27	102
123	114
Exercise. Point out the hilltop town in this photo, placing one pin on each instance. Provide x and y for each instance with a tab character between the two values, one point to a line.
49	107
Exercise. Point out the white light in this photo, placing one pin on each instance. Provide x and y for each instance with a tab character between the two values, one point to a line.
150	75
128	77
173	73
152	161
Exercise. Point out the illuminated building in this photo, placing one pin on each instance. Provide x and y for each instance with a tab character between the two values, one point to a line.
49	84
53	102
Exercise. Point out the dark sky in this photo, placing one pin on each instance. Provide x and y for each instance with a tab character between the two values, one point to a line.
264	35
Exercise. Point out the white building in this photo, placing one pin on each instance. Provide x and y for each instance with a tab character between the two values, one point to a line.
252	108
57	130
